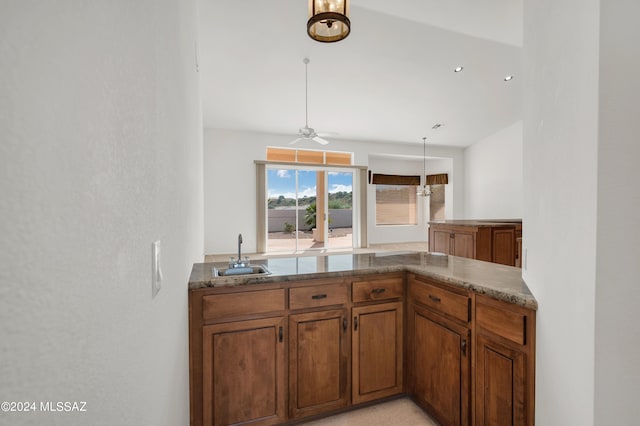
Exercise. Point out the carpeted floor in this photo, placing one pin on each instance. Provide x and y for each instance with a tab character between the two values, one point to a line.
399	412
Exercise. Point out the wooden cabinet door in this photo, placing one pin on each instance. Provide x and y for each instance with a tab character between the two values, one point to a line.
318	362
377	351
504	246
244	373
440	241
439	366
500	384
464	245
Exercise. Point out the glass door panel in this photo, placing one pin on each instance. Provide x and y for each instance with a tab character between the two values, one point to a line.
307	206
281	210
340	209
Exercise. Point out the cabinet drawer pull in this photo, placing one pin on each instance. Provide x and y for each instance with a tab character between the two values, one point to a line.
434	298
280	334
344	324
319	296
463	347
378	290
355	323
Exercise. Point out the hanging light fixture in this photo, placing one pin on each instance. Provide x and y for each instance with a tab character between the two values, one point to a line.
424	191
328	20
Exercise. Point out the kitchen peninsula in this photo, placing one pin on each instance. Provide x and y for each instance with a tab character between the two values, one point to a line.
496	240
323	334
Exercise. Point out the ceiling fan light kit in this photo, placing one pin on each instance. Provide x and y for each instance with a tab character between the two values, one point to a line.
328	20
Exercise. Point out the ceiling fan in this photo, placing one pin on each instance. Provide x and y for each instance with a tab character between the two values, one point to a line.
306	132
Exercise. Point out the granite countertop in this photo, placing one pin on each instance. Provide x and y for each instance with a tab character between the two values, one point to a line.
477	222
497	281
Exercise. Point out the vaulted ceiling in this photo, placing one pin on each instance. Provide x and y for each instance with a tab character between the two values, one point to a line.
392	79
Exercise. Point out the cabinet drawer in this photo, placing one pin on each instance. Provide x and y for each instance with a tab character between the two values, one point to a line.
218	306
447	302
389	288
319	295
503	322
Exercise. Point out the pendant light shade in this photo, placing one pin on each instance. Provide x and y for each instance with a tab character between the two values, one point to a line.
328	20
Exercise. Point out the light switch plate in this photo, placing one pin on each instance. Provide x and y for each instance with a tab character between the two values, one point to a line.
156	272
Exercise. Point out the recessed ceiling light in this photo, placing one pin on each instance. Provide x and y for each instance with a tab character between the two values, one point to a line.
508	78
458	69
437	126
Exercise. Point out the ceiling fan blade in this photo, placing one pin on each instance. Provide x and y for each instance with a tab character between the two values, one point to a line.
320	140
296	141
326	134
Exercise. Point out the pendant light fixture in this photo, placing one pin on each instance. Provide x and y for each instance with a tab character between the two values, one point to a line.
328	20
424	191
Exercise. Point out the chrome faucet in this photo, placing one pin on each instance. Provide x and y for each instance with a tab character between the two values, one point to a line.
239	262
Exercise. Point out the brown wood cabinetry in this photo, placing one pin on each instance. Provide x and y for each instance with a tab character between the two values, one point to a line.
377	345
244	372
281	352
456	243
505	363
318	362
318	348
438	350
481	240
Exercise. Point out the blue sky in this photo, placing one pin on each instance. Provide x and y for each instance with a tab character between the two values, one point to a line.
283	182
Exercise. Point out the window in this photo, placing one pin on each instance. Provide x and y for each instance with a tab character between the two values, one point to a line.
396	205
309	156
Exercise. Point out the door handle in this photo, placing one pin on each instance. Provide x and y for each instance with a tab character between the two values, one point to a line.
463	347
355	323
344	324
280	334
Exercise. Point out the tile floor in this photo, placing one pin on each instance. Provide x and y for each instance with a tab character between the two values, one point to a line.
399	412
415	246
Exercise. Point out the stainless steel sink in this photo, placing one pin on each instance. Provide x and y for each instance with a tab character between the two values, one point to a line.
247	270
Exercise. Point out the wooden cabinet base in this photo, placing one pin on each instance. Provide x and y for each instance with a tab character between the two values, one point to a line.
481	240
303	350
377	346
244	373
318	362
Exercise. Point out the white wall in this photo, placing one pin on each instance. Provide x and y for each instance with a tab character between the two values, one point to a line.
617	335
100	155
560	179
456	177
229	177
493	176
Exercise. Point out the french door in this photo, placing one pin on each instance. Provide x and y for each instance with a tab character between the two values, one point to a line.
309	208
